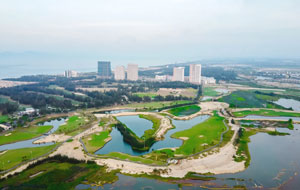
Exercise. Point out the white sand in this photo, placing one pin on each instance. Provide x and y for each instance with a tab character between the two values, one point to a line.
52	138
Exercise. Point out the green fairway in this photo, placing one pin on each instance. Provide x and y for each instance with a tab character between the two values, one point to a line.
251	99
12	158
3	118
73	125
210	91
265	112
184	110
96	141
23	133
201	136
123	156
60	173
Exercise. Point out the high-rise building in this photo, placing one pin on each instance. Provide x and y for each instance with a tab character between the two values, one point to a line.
195	73
178	74
104	69
70	73
132	72
120	73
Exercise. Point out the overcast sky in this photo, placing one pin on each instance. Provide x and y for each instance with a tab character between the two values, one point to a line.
143	31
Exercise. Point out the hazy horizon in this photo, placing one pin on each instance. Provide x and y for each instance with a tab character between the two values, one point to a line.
76	34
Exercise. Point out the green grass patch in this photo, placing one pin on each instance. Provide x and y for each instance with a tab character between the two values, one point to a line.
265	112
143	94
184	110
157	105
14	157
73	125
251	99
201	136
55	173
210	91
123	156
4	118
277	133
24	133
96	141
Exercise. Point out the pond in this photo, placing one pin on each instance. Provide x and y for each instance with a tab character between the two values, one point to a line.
254	117
118	145
289	103
204	98
136	124
29	143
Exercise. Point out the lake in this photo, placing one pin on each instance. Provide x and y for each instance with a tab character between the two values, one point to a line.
289	103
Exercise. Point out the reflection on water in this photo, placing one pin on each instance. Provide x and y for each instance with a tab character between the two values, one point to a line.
136	124
29	143
289	103
254	117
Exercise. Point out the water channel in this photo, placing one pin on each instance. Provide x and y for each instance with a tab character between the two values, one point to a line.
289	103
29	143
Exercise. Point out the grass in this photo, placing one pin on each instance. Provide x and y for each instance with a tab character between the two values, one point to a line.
250	99
14	157
123	156
73	125
55	174
265	112
184	110
24	133
201	136
210	91
3	118
156	123
94	142
277	133
143	94
157	105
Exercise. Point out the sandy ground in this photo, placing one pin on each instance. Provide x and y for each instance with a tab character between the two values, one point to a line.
97	89
52	138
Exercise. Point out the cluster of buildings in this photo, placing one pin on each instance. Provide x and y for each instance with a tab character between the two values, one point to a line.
194	75
120	73
70	74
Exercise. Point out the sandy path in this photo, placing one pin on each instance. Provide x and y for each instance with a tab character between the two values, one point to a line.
52	138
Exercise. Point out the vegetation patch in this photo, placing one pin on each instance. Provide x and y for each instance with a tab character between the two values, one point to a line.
3	119
14	157
60	173
266	112
140	159
24	133
277	133
210	132
210	91
96	141
184	110
75	124
251	99
242	141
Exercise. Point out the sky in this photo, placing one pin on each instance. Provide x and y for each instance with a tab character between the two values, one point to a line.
78	33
